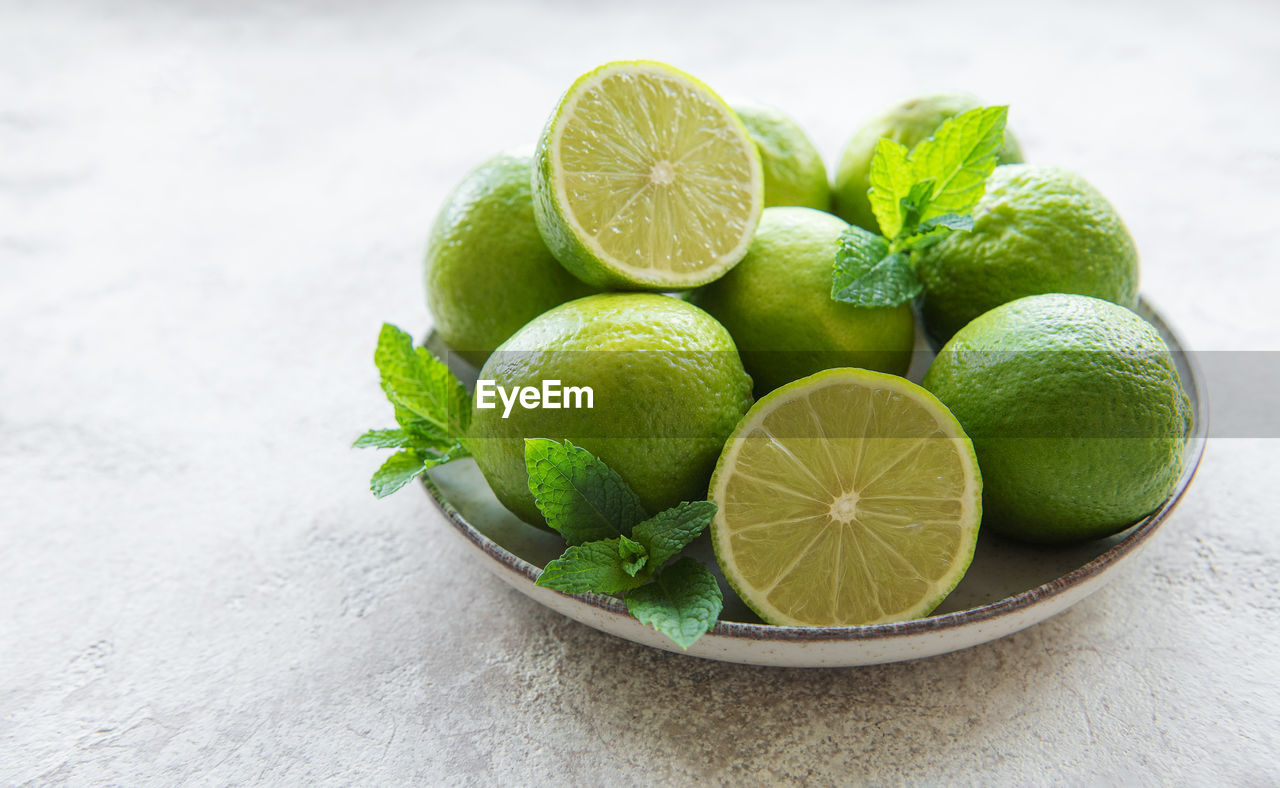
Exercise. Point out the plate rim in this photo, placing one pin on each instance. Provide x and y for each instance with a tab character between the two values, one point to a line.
744	631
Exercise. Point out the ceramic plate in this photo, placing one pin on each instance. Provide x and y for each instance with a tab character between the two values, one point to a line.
1009	586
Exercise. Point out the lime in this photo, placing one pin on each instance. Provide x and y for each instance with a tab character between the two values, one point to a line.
1075	409
793	170
777	305
487	270
909	123
845	498
646	180
1036	230
667	389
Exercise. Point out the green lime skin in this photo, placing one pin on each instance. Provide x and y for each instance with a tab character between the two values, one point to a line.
1036	230
487	269
777	305
793	170
1075	410
668	388
909	123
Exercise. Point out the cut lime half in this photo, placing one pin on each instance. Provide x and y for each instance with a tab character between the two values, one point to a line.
845	498
646	179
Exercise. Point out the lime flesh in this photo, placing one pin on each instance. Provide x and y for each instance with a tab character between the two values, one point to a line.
845	498
646	180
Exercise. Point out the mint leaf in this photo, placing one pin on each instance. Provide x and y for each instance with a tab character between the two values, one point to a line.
913	206
958	158
383	439
667	533
891	282
868	274
891	177
633	555
934	230
431	407
581	497
683	602
593	567
429	402
399	469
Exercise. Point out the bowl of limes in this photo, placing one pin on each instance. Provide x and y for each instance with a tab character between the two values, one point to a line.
681	389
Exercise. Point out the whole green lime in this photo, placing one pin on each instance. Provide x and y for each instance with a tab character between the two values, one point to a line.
793	170
1036	230
909	123
1075	410
667	388
487	270
777	306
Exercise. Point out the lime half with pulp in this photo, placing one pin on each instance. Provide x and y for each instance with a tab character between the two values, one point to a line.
845	498
646	180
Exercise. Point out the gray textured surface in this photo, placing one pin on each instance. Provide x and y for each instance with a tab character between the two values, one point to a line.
206	209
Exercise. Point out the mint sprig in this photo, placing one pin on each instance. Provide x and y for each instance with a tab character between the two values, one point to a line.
430	405
614	548
919	197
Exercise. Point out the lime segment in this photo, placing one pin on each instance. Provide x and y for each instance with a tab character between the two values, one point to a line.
646	180
845	498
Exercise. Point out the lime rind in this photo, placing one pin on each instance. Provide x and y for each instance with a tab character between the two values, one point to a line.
580	250
947	425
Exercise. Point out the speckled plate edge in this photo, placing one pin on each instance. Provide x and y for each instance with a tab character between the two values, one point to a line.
763	644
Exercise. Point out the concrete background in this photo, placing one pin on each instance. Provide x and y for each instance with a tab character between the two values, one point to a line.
206	210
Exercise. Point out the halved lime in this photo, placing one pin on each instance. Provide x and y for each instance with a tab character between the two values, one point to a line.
845	498
646	179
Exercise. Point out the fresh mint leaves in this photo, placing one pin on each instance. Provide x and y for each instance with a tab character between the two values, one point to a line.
918	197
667	533
615	548
958	159
600	567
430	405
682	602
891	180
582	498
868	273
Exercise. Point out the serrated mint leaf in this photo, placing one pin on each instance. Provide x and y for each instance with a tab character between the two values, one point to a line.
867	273
958	158
633	555
581	497
594	567
667	533
399	469
891	282
913	206
858	251
682	602
934	230
382	439
430	403
951	221
891	177
431	407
